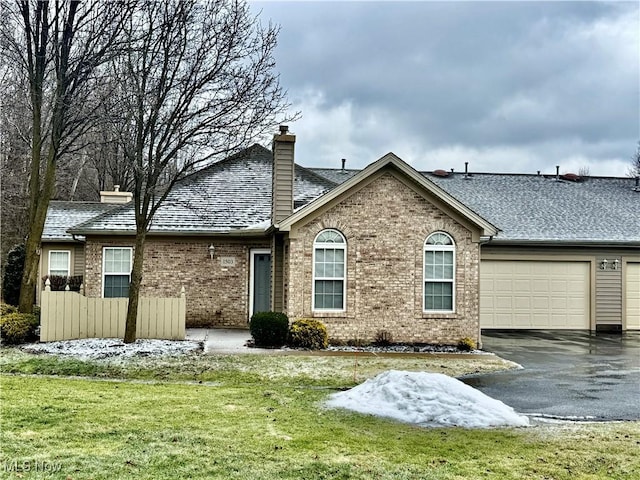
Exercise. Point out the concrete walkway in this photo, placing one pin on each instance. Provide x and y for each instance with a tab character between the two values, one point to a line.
225	340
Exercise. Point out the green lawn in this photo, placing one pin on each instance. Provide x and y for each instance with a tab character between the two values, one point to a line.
260	417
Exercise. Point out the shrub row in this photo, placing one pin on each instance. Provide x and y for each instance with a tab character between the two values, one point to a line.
272	330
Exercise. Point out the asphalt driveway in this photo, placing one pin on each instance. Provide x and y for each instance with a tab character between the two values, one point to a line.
566	374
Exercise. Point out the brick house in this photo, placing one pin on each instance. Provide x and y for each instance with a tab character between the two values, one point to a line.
427	257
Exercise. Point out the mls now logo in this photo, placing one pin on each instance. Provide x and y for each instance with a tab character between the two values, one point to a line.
31	466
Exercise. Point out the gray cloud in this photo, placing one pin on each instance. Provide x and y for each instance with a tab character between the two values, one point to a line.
506	86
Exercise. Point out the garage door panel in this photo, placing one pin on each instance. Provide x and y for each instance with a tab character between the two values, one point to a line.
576	286
540	303
558	285
522	303
531	294
559	303
521	321
540	319
575	303
632	282
502	303
501	285
539	285
520	285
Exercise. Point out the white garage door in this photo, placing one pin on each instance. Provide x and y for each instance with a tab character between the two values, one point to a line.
633	296
528	294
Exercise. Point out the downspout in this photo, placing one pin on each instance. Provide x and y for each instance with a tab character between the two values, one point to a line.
485	241
480	243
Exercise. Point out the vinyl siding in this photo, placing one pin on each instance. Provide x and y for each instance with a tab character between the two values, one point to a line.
277	265
283	173
608	292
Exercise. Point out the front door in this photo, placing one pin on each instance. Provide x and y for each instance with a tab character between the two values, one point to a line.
260	286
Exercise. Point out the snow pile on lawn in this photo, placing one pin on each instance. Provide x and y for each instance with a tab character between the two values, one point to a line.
94	348
426	399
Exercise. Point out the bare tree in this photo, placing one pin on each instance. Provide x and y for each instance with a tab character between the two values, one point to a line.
14	160
634	170
198	81
584	172
56	47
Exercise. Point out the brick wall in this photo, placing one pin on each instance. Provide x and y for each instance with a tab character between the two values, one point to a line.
386	224
216	295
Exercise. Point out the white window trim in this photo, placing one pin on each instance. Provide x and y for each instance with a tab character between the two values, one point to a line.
438	248
253	252
343	246
104	259
68	252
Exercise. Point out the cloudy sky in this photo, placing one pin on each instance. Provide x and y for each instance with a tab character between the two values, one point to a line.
506	86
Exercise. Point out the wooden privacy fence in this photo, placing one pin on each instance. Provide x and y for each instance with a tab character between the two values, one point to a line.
70	315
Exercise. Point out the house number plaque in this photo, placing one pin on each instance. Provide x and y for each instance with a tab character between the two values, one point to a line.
227	261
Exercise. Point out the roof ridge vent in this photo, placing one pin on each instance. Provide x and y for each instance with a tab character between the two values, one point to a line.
440	173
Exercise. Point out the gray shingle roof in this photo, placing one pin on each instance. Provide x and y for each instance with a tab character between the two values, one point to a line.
61	215
335	174
235	194
232	194
533	208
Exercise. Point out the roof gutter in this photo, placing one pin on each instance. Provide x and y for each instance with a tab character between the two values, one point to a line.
569	243
241	232
485	240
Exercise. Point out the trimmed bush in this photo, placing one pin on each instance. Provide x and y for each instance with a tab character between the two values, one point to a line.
466	344
13	274
308	333
18	327
6	309
269	329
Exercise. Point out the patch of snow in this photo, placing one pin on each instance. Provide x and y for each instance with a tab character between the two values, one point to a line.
259	226
95	348
399	348
428	400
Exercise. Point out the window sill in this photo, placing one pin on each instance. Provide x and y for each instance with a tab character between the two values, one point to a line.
329	314
446	315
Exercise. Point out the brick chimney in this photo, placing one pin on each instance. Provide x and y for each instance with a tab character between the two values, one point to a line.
283	174
116	196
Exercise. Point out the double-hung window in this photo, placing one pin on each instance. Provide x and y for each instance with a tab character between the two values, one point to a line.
439	273
116	271
329	276
59	263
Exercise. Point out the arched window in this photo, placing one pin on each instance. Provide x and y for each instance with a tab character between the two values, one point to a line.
439	273
329	273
